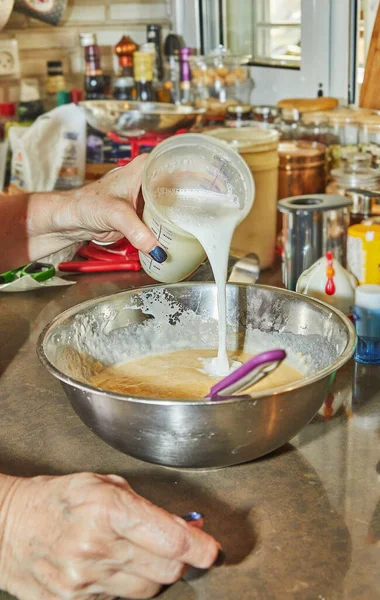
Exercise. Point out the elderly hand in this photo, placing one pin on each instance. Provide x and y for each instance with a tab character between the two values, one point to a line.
83	535
105	210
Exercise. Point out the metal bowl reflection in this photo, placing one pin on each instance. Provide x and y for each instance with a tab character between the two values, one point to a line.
195	434
131	119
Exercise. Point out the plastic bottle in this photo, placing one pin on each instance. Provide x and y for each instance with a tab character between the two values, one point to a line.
367	323
30	106
7	115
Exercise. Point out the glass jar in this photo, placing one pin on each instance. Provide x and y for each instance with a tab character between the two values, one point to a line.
238	116
343	137
289	124
353	181
220	80
314	127
266	117
369	137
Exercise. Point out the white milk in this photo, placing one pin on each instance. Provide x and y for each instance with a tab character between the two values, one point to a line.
211	218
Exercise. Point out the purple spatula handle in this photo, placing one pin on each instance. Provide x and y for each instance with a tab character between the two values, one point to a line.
260	360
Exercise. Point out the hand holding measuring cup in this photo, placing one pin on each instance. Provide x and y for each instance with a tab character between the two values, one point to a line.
105	210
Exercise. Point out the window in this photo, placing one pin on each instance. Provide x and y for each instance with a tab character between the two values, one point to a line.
270	30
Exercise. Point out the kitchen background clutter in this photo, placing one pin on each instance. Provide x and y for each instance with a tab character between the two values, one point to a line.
144	76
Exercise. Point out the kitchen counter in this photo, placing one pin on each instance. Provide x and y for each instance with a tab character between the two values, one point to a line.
302	523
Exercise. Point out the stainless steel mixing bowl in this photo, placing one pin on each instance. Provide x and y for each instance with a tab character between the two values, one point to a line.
195	434
132	119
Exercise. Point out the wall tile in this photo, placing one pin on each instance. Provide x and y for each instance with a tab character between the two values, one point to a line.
133	12
58	38
86	14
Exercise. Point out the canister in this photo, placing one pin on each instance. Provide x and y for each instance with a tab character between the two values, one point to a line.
312	225
363	252
257	233
302	168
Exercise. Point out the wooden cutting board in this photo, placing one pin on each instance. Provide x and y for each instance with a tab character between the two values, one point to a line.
370	90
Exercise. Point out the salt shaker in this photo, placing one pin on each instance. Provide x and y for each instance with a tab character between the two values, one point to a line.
367	323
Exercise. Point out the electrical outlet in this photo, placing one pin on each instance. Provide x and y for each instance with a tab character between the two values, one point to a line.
9	63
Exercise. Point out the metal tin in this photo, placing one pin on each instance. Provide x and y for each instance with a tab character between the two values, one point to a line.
312	225
302	168
363	252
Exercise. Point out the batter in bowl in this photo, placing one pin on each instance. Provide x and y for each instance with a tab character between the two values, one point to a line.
180	375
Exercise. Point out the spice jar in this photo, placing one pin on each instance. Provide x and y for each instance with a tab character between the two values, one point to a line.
238	116
369	137
343	137
266	117
302	168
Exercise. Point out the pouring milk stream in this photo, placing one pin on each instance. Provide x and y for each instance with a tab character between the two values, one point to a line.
196	192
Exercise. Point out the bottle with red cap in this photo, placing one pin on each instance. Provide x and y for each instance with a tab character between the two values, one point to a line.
7	114
76	96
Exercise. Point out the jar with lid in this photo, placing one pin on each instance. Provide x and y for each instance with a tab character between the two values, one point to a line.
219	80
343	137
357	181
289	124
266	117
257	233
314	127
238	116
369	137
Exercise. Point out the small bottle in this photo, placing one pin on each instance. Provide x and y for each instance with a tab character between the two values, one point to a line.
7	115
63	97
143	72
124	85
153	33
169	91
76	96
30	106
185	76
367	323
55	82
94	83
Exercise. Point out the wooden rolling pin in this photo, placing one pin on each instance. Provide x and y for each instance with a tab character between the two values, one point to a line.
304	105
370	90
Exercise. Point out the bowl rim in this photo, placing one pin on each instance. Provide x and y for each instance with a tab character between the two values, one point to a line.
137	108
85	387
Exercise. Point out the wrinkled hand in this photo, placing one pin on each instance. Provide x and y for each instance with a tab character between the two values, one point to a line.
83	535
107	210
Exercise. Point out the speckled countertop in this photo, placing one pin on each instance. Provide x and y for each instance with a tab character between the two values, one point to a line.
302	523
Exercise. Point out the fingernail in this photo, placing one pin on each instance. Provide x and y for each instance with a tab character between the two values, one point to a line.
220	559
192	516
158	254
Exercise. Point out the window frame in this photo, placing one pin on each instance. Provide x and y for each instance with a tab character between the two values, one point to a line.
327	50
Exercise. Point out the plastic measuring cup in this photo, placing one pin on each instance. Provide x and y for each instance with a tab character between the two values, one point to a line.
195	163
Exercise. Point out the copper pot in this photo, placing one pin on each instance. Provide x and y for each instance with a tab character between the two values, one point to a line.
302	170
